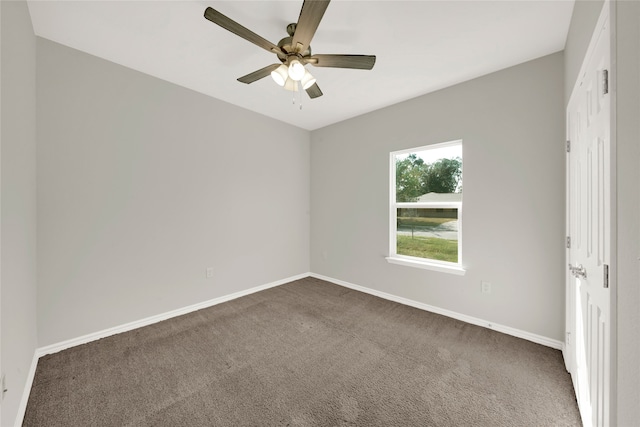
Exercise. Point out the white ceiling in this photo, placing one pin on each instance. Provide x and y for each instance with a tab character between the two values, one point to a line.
421	46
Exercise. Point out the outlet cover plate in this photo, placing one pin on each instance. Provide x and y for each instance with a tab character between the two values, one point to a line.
486	287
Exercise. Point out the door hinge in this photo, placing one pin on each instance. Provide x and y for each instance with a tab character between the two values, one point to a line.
568	338
605	82
568	146
568	242
605	282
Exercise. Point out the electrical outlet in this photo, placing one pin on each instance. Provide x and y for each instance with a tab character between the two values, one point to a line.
486	287
209	272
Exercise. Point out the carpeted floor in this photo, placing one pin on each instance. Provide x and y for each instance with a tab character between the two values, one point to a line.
308	353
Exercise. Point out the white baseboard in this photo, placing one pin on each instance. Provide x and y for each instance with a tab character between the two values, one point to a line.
54	348
27	389
539	339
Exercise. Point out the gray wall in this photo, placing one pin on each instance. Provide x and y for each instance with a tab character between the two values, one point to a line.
18	214
627	88
143	184
512	126
583	21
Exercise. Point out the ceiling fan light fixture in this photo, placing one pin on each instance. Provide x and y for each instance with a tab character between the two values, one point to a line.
280	75
296	70
294	52
307	80
291	85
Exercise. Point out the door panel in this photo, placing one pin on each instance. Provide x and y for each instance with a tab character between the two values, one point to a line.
588	225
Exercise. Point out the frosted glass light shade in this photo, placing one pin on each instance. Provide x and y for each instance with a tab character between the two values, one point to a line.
296	70
291	85
307	80
280	75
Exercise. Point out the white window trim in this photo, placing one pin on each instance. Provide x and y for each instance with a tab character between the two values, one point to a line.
409	261
426	264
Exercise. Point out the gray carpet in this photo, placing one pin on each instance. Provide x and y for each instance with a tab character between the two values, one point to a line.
308	353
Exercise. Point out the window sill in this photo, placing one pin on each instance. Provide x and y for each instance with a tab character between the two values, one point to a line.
452	269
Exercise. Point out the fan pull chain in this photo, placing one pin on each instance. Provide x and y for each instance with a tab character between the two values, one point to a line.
300	95
298	89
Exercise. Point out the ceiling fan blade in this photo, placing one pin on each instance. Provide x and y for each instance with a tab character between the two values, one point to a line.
257	75
310	16
314	91
361	62
237	29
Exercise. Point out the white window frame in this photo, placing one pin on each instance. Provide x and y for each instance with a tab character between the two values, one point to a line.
425	263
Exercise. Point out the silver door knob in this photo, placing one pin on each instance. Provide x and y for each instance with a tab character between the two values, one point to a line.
578	271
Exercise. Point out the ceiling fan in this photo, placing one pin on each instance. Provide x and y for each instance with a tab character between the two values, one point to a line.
294	52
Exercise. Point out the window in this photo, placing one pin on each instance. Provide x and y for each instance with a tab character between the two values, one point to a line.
426	207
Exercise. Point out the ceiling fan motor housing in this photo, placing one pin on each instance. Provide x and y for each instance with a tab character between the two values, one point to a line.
286	45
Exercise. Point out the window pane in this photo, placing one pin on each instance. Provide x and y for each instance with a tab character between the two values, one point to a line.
423	173
428	233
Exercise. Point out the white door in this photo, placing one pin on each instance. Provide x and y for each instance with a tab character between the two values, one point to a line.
588	223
